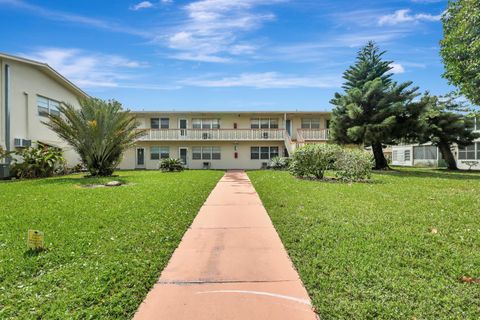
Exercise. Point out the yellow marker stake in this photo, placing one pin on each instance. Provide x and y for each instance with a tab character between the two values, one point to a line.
35	239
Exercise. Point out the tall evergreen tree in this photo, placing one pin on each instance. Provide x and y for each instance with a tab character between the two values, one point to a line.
374	110
444	123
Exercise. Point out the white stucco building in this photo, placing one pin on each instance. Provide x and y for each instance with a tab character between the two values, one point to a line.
28	91
427	155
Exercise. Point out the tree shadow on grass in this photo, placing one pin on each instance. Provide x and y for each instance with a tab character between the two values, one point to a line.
431	173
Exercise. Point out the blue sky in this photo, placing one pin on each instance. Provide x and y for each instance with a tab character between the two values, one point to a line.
223	54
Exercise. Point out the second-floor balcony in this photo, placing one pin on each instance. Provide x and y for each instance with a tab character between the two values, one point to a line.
312	134
213	134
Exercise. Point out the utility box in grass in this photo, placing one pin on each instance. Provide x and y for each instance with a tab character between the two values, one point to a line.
4	171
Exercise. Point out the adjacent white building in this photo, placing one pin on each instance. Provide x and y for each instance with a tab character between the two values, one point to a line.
427	155
29	90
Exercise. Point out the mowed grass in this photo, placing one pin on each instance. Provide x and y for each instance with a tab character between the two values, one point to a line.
366	250
105	247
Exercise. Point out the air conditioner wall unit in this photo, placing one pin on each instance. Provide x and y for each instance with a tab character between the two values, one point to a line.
22	143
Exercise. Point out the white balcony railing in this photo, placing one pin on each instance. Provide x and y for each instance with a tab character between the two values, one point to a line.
213	134
312	134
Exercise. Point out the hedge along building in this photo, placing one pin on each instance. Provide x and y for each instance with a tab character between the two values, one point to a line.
30	90
223	140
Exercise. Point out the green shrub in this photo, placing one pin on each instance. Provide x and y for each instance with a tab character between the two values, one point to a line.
312	160
3	154
171	165
353	165
37	162
99	131
279	163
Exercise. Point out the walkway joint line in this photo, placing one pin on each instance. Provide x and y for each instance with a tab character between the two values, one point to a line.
230	265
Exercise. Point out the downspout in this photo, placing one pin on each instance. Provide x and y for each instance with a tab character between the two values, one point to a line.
27	117
7	111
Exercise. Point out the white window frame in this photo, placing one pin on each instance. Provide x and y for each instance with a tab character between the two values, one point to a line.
395	155
421	150
264	150
307	123
206	124
151	123
207	153
162	125
163	152
264	123
51	104
464	151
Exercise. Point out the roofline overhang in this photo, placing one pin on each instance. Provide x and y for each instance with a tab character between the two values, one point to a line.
49	70
229	112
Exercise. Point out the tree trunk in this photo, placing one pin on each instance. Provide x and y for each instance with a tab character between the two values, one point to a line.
448	156
380	160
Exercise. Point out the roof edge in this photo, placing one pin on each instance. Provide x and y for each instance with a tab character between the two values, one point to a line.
46	66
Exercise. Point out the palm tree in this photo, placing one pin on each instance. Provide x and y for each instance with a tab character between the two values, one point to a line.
100	131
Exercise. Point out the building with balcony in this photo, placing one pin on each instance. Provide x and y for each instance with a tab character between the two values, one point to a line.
223	140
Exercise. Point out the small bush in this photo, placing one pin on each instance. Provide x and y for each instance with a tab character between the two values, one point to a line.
279	163
312	160
37	162
171	165
3	154
353	165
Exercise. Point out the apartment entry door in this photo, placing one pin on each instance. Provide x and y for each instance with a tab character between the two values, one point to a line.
183	155
140	159
288	126
183	127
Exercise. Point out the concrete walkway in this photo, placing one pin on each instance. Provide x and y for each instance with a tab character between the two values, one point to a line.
229	265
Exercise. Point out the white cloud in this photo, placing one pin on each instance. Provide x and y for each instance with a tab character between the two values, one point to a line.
87	69
142	5
148	4
404	16
213	28
397	68
62	16
211	31
267	80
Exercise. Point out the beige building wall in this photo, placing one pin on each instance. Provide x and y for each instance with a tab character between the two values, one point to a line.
27	82
227	149
243	120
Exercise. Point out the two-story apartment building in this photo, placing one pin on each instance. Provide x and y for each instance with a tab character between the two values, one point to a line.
29	90
223	140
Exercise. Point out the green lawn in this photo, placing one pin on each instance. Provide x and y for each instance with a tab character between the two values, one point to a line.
105	247
367	251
